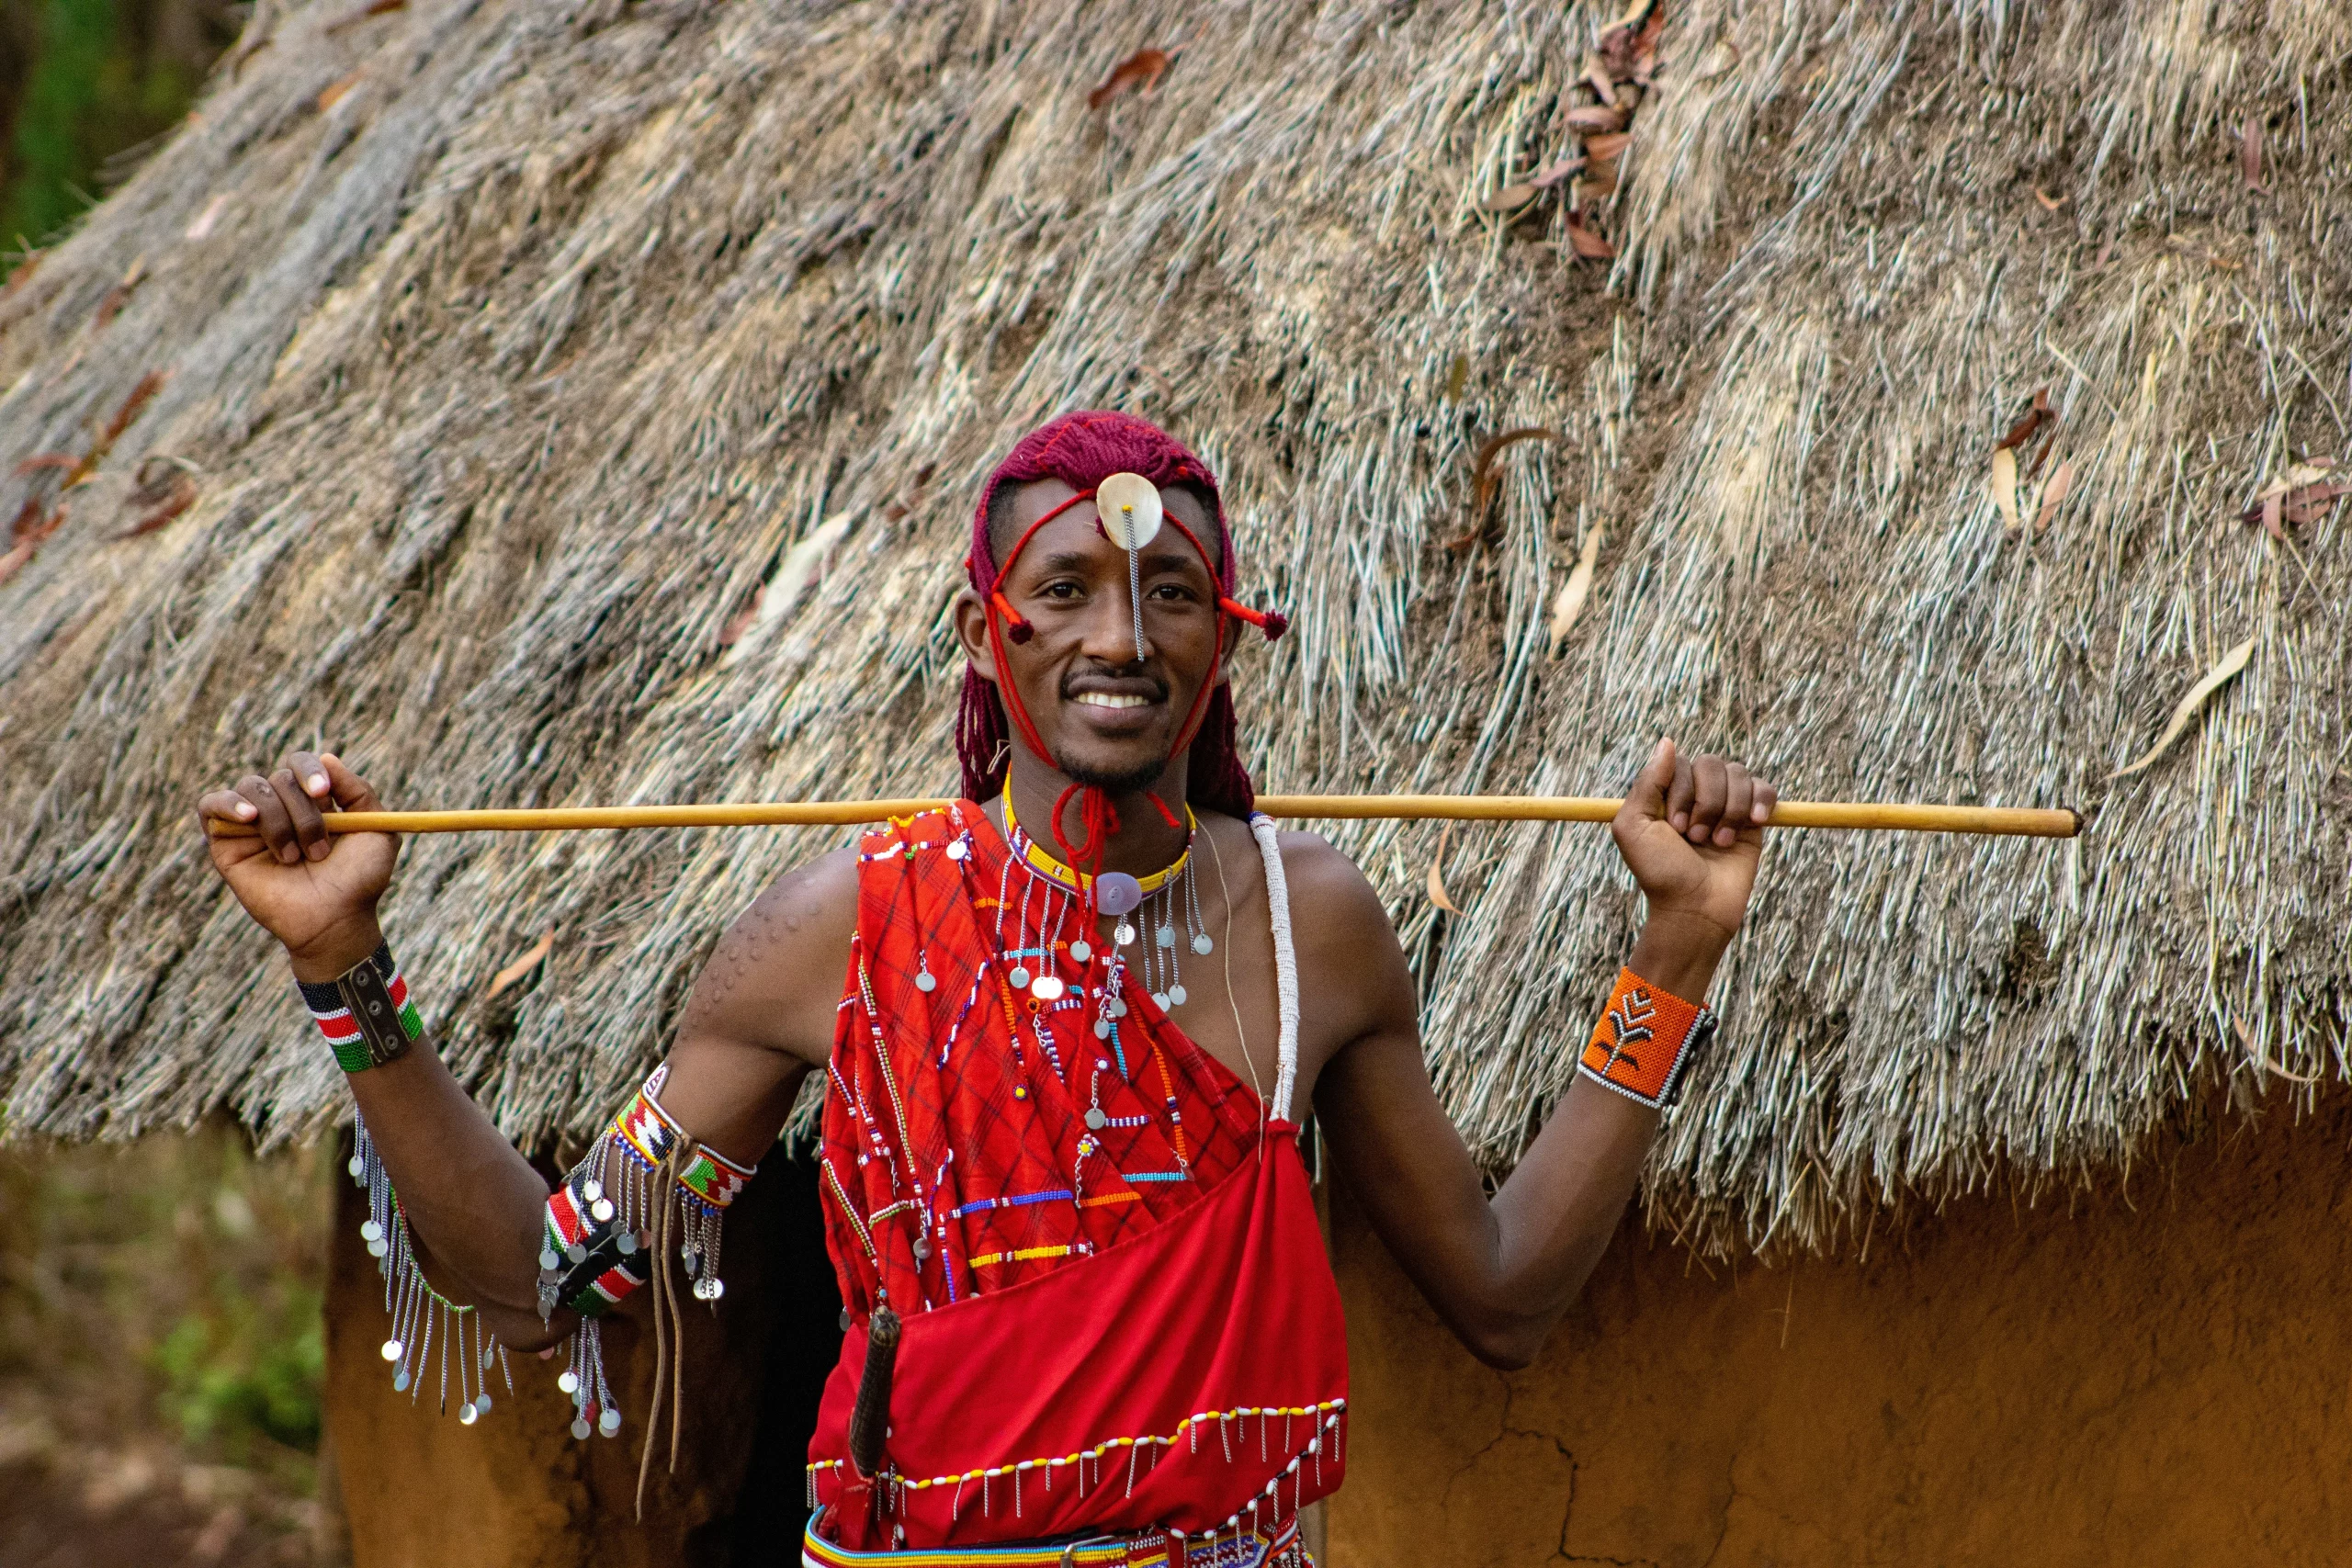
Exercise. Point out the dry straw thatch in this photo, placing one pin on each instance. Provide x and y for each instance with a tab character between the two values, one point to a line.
515	344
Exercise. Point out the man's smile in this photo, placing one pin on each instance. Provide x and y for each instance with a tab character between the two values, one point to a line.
1111	700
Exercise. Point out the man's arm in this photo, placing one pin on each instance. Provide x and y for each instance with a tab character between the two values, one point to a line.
1502	1272
759	1015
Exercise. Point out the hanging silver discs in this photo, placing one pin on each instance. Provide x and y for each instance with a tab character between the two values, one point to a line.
601	1211
956	850
1079	952
467	1413
707	1289
1201	945
1048	987
392	1349
1165	936
1119	1007
376	1249
370	1231
481	1404
592	1189
550	1260
1159	1000
1020	977
609	1423
1095	1120
568	1380
923	982
580	1428
355	1167
400	1381
1176	995
576	1252
626	1242
1102	1029
1124	935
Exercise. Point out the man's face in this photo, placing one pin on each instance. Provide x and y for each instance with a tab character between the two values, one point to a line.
1106	717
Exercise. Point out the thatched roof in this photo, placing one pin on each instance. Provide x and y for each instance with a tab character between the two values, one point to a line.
515	343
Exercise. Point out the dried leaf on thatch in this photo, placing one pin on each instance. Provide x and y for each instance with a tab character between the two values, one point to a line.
1586	242
2035	418
2255	1054
63	461
1509	197
202	227
1594	119
1552	176
1601	149
360	13
1487	478
2302	495
1573	593
1437	876
27	519
120	295
743	619
2050	202
16	559
1142	70
162	498
2221	675
335	92
2005	484
2053	496
530	960
2250	154
129	410
1597	76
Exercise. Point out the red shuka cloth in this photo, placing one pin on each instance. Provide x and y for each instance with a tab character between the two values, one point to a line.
1125	1353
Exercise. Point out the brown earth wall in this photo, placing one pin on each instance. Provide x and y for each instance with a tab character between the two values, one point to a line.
2158	1374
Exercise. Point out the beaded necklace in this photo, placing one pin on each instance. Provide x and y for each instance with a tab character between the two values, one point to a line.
1164	898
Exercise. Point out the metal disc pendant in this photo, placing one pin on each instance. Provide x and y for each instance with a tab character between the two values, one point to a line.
1176	995
1095	1120
1201	945
1048	987
601	1211
370	1231
626	1242
400	1381
708	1290
923	982
1102	1029
1019	978
467	1413
592	1189
1165	936
580	1428
568	1380
922	1248
956	850
609	1423
1159	1000
392	1349
1119	1007
482	1405
376	1249
576	1252
1125	934
550	1259
355	1167
1116	893
1079	952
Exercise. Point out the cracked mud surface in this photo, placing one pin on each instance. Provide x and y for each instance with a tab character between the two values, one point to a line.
2157	1377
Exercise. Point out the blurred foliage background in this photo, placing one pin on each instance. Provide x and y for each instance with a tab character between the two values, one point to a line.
85	85
161	1353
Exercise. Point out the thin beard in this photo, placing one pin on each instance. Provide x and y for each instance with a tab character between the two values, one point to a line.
1134	781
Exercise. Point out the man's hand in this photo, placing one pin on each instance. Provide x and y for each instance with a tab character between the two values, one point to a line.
1691	833
313	891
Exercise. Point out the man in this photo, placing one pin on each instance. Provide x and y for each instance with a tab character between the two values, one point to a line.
1058	1158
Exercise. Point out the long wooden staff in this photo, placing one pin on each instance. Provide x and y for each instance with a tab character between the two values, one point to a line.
2039	823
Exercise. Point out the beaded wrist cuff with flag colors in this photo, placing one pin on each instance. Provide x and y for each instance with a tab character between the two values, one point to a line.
644	1191
364	1013
1645	1040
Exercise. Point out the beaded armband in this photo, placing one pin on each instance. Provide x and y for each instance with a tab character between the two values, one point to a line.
365	1013
604	1220
1644	1042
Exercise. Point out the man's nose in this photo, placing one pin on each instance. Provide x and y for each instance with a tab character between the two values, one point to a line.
1114	631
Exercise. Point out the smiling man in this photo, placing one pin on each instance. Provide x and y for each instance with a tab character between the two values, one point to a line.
1070	1024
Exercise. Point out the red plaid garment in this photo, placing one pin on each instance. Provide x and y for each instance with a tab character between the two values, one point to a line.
958	1114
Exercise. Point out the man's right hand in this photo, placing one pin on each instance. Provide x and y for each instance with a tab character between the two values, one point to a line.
314	891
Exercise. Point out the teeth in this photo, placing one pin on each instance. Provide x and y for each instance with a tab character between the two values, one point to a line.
1111	700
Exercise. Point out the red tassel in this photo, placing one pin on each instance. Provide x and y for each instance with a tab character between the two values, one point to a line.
1015	627
1273	623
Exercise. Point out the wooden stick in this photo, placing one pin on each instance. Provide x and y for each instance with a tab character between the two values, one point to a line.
2059	823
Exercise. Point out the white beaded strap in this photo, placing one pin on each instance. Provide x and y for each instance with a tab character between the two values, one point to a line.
1286	964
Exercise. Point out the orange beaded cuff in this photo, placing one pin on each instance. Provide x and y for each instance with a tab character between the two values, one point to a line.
1644	1040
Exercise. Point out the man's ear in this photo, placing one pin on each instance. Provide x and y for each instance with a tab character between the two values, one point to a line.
972	632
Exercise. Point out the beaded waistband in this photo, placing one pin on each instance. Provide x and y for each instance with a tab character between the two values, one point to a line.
1249	1548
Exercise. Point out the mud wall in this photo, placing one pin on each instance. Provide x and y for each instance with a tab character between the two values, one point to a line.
2158	1374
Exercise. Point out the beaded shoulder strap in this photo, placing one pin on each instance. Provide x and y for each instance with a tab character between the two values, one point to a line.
1286	964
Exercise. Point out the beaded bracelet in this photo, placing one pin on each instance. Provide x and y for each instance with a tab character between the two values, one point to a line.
601	1220
365	1013
1645	1040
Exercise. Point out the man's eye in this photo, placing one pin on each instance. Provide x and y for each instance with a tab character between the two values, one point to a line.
1060	591
1171	590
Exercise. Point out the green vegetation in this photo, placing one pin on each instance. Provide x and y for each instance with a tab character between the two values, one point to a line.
81	82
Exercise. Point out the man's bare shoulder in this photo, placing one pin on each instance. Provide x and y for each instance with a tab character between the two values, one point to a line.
778	973
1330	898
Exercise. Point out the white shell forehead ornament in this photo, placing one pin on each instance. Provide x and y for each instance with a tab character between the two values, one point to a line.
1130	509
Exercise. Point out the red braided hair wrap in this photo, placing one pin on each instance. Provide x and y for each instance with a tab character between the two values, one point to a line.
1082	450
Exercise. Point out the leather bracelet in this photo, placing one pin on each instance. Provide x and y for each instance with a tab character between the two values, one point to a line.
1645	1042
365	1013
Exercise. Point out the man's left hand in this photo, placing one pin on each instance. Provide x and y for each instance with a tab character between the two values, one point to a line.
1692	832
